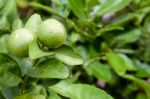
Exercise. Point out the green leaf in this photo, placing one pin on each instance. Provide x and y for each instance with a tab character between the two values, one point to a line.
100	71
67	55
53	95
119	62
79	91
10	10
111	6
4	24
35	52
143	69
128	37
9	92
17	24
9	79
33	23
123	19
91	3
25	64
127	61
61	87
30	96
49	69
62	7
78	8
6	62
109	28
3	43
83	91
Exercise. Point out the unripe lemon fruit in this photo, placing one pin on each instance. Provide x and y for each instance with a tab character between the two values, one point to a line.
52	33
19	41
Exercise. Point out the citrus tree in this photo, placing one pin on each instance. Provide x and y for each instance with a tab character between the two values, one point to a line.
74	49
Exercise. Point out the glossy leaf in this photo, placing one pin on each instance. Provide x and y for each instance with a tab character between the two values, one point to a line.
35	52
79	91
67	55
49	69
83	91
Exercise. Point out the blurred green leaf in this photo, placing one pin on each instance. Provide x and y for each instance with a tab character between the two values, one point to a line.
91	3
53	95
6	62
119	62
9	10
67	55
49	69
109	28
128	37
33	23
25	64
9	92
143	69
62	7
99	70
61	86
111	6
17	24
124	19
83	91
4	24
3	43
9	79
78	8
79	91
35	52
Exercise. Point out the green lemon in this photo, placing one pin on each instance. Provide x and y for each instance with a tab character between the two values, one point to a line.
52	33
18	42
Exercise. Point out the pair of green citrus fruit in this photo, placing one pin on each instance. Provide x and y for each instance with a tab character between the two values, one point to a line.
51	33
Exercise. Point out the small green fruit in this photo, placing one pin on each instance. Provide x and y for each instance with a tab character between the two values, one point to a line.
52	33
19	41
